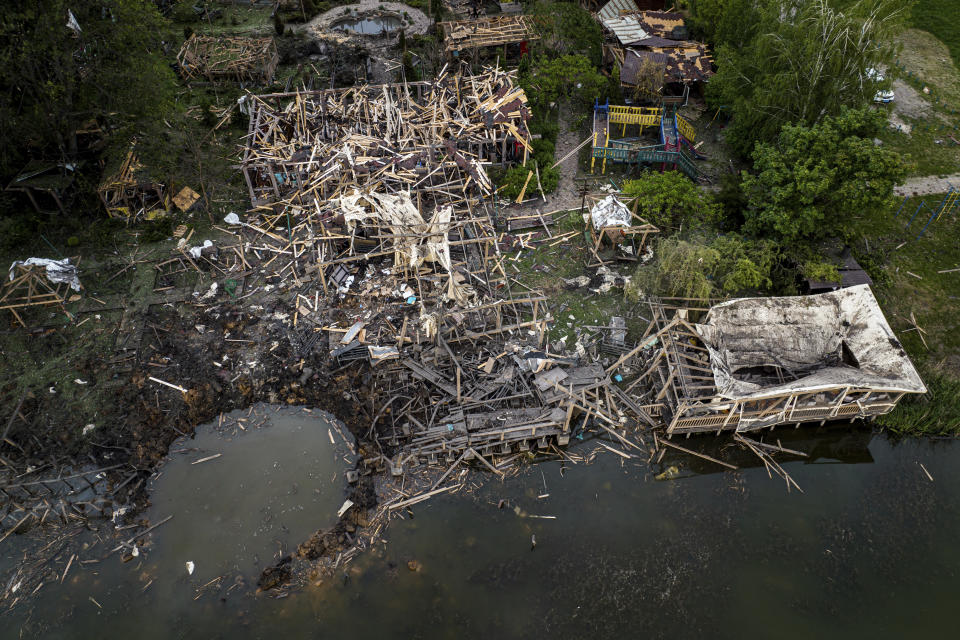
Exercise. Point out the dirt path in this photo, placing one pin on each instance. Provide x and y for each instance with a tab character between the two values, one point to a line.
566	196
926	185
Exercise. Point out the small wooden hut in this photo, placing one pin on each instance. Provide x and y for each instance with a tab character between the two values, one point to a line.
234	58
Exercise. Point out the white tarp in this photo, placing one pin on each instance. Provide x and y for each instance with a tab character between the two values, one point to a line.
417	241
58	271
830	340
610	212
72	22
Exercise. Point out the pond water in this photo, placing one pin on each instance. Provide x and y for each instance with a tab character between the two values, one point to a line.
369	25
868	549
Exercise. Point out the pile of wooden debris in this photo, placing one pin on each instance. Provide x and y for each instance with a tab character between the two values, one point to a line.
430	138
236	58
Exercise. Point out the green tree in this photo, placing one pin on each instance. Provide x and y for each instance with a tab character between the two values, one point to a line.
726	22
547	80
806	62
813	179
669	200
53	78
701	267
566	28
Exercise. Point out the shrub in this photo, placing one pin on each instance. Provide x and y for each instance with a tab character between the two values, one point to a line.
669	200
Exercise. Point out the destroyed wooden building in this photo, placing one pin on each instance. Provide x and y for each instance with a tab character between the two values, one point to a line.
755	363
653	50
432	138
372	214
234	58
468	36
374	204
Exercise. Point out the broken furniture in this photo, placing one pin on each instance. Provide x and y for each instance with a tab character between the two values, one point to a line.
131	193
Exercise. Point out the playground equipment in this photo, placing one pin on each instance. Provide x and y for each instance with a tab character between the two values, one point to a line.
676	133
947	204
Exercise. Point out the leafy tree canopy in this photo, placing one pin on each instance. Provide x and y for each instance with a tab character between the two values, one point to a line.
807	61
54	78
669	200
813	179
548	79
566	28
702	268
726	22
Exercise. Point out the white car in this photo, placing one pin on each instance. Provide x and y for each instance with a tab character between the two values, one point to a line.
884	95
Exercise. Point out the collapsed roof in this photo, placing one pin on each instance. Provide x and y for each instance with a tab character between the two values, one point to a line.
835	339
758	362
629	24
434	138
680	61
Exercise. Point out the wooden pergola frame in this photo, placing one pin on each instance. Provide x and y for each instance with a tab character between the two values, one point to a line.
29	287
466	35
642	229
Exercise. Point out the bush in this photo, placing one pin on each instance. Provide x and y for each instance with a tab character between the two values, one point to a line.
549	179
514	178
670	201
700	268
815	179
567	28
546	127
543	153
821	270
183	13
570	76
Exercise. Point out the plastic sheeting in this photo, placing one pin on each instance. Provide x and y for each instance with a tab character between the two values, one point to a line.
823	341
610	212
58	271
417	241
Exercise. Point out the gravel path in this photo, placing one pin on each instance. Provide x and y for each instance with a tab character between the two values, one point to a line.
926	185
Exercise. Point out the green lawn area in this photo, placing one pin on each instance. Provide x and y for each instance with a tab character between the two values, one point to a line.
906	270
942	19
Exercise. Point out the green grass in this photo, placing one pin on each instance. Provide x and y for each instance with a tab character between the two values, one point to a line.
937	413
942	19
907	283
927	149
546	268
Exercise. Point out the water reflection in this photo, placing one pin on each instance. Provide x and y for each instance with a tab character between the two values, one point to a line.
368	26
